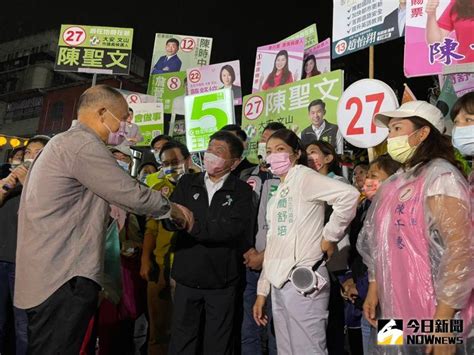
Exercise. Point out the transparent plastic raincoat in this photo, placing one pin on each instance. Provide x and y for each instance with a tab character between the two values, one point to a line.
417	242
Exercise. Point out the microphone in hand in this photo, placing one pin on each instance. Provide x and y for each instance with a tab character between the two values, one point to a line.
17	175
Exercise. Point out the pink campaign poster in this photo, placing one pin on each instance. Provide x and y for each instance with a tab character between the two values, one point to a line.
317	59
439	37
215	77
278	64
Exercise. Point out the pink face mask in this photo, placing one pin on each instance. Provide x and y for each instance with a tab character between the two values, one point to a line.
213	164
313	162
370	187
280	163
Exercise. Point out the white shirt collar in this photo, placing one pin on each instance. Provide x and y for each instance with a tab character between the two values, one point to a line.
170	56
212	187
321	128
222	179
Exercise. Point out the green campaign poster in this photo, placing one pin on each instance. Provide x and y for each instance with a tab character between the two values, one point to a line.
149	119
172	55
206	114
288	104
94	49
310	35
167	87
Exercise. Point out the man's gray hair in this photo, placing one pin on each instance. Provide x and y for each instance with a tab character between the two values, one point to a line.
97	95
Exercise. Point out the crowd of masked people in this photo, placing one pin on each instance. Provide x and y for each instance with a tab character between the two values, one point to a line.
222	256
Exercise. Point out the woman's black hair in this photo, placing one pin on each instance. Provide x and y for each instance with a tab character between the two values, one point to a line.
230	70
466	103
286	71
328	149
386	163
16	150
291	139
315	70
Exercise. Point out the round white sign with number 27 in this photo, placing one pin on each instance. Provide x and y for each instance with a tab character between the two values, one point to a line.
358	105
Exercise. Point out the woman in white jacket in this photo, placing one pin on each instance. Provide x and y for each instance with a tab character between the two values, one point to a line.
298	237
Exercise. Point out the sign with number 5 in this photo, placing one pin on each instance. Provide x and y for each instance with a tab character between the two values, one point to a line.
205	114
358	105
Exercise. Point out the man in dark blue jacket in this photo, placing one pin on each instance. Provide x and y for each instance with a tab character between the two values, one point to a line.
208	262
170	62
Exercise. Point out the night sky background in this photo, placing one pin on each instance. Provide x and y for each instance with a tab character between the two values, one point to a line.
238	28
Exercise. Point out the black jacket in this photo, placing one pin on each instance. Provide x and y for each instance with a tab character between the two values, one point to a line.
391	20
210	257
9	224
329	135
244	164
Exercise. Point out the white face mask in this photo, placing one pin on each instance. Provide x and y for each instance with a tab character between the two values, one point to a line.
463	140
15	163
123	165
175	172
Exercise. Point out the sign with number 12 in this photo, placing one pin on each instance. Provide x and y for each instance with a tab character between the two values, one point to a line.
358	105
205	114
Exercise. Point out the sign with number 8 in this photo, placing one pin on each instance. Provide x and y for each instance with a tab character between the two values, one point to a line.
357	107
174	83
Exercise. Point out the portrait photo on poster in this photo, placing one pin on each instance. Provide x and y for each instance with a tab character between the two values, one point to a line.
173	53
317	60
214	77
443	32
278	64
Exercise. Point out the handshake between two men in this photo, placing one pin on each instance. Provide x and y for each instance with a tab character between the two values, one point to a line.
181	217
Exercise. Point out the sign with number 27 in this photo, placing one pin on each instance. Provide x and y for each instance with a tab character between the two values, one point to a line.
357	107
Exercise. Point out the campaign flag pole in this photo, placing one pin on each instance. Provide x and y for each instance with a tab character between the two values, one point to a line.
371	151
94	79
371	62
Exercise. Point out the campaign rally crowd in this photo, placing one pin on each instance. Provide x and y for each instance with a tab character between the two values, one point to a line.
222	256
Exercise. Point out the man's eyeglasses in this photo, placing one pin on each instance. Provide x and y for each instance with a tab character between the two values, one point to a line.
174	162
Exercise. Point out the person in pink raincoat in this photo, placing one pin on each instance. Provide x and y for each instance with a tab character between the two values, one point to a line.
417	238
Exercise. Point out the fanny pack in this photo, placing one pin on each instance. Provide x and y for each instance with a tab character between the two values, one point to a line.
307	280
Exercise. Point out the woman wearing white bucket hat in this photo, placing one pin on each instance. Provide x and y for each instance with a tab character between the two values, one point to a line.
416	238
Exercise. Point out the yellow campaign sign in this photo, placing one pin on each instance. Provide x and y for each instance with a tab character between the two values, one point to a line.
97	37
94	49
